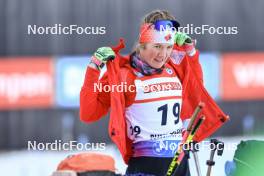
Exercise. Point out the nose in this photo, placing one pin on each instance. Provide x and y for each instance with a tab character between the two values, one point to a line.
163	52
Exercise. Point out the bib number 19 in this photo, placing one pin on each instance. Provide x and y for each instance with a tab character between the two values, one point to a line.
175	111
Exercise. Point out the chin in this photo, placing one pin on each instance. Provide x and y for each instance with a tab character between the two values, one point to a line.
157	66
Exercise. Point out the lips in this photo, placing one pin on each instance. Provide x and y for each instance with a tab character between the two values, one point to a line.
159	60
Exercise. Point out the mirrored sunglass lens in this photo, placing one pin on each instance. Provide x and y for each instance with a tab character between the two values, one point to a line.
176	24
164	24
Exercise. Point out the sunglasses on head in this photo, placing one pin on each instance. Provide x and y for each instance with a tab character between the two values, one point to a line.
161	25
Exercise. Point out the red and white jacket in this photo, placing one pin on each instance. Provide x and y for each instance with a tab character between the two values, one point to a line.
95	104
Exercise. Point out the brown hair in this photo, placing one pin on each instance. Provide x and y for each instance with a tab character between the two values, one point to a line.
155	15
152	17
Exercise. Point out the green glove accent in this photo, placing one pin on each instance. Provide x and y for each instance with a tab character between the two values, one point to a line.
104	54
182	38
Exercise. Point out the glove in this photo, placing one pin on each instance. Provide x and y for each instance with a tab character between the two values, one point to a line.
182	39
102	55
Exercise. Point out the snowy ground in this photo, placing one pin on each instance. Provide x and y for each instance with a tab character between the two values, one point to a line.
28	163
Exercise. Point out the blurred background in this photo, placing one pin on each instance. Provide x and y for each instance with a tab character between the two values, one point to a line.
41	74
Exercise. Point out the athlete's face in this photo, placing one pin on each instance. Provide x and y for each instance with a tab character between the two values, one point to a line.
156	54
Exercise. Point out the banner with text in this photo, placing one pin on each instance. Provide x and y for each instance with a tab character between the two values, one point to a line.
26	82
211	73
242	76
70	73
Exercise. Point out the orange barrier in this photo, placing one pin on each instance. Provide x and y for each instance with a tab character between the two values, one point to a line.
85	162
